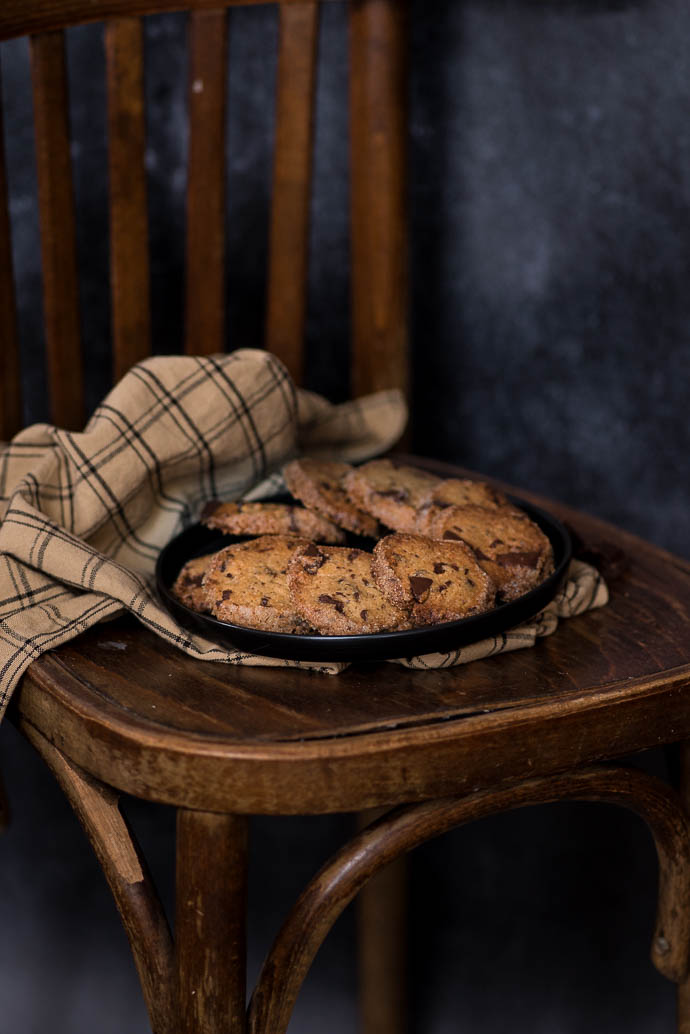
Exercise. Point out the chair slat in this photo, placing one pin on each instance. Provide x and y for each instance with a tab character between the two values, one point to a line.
379	243
129	240
205	302
289	235
56	213
10	393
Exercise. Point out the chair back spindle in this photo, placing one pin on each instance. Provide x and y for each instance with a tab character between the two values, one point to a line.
129	235
289	232
56	213
10	393
378	122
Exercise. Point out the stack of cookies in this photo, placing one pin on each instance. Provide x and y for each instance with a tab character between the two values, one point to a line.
445	550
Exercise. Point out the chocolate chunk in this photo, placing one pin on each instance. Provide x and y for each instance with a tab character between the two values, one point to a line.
364	614
316	558
264	601
338	604
419	585
439	568
399	494
227	593
194	579
452	535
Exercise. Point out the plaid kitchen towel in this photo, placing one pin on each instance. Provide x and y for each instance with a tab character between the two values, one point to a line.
84	515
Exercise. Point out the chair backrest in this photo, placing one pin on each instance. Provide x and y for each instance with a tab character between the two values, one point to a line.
377	190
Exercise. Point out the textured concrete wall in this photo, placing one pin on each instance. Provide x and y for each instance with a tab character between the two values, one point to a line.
550	190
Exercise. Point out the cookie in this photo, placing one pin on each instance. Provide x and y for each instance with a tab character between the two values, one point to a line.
319	485
509	546
438	581
334	590
246	584
460	492
269	519
390	492
188	588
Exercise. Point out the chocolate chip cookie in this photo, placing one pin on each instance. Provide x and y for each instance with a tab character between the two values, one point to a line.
390	492
509	546
188	588
319	485
459	492
246	584
269	519
439	581
334	590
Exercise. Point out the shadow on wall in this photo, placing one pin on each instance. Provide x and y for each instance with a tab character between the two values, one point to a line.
550	243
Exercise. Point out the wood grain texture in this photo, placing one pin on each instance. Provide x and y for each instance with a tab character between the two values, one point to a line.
205	273
331	890
97	808
129	233
378	135
210	922
10	387
289	233
607	683
58	246
19	17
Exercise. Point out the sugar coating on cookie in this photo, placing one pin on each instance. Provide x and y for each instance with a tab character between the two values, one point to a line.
319	485
439	581
246	584
391	492
509	546
269	519
334	589
188	587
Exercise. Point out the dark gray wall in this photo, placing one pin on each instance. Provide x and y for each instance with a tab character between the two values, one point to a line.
550	182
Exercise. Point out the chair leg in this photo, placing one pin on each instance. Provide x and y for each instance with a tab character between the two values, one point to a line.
210	924
682	765
97	808
382	951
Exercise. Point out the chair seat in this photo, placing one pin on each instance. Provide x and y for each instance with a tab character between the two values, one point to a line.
148	720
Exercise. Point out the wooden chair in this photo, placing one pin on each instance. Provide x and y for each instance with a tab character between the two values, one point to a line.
438	747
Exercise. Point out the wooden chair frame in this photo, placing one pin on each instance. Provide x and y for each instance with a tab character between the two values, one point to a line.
425	758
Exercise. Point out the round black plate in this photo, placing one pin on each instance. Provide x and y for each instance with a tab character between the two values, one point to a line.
198	540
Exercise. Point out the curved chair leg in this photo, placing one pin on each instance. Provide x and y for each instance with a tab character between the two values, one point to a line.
681	757
407	827
96	807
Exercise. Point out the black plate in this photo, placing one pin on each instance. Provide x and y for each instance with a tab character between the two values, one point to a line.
197	540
